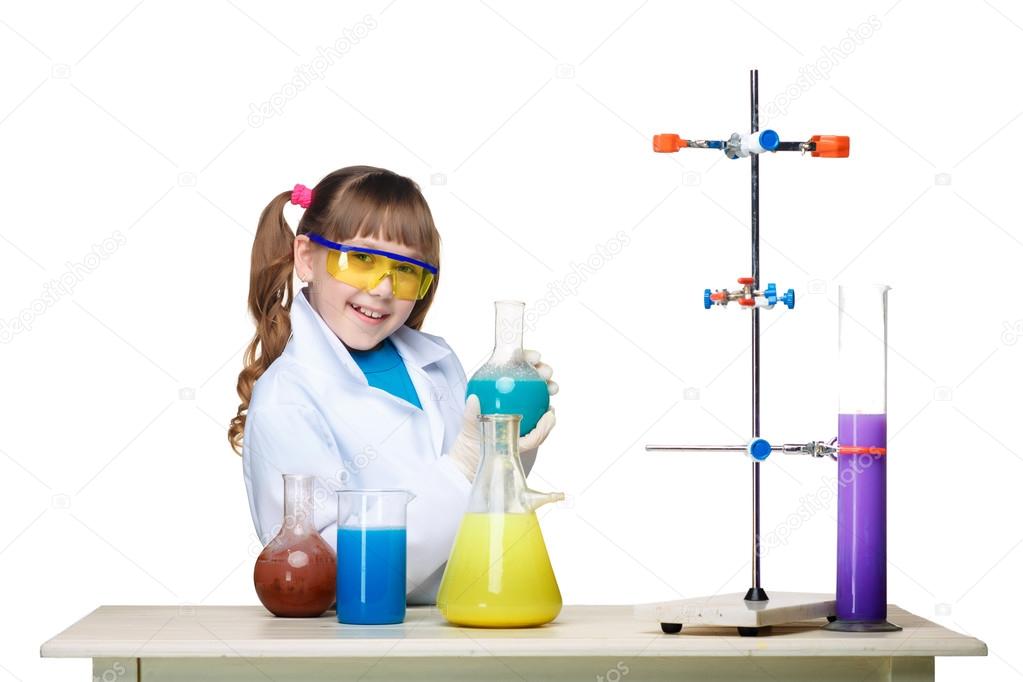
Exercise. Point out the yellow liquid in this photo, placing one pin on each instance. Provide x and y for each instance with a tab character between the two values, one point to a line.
499	574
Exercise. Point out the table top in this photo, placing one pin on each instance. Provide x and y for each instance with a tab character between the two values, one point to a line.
250	631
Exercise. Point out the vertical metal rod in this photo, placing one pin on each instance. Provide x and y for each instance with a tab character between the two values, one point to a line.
756	592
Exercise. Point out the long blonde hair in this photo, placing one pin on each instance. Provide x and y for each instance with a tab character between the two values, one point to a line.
357	201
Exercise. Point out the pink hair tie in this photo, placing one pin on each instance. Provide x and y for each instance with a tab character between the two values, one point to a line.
302	196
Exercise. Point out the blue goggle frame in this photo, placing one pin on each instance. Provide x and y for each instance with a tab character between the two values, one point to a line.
322	241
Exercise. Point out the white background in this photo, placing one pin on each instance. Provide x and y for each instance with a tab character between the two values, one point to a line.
527	125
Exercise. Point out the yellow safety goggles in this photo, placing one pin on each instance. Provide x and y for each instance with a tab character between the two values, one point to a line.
364	268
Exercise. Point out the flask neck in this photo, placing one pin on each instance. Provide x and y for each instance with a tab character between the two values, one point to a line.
500	485
508	316
298	505
500	437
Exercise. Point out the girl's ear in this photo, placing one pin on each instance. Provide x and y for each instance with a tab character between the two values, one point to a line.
304	250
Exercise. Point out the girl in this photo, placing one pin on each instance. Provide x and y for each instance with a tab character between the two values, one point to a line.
340	383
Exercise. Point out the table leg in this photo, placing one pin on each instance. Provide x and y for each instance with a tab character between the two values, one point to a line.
115	670
912	669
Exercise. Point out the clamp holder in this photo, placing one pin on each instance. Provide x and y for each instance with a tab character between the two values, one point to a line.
749	297
741	145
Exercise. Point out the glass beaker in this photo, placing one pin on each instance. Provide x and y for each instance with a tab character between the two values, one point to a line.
371	556
499	573
507	383
294	574
861	602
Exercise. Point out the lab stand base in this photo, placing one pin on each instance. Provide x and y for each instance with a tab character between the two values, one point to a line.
750	618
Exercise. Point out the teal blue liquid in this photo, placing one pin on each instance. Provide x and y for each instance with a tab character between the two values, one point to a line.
370	576
507	395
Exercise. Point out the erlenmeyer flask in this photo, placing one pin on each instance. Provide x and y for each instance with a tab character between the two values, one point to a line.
507	384
499	573
295	573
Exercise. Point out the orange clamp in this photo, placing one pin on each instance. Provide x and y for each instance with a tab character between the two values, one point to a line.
745	281
669	142
831	146
718	296
748	302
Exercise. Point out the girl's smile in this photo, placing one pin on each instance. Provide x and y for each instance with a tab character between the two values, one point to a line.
368	315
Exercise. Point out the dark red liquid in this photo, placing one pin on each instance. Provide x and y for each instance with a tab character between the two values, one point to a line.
296	577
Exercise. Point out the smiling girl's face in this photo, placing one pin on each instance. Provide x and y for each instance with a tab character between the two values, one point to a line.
343	307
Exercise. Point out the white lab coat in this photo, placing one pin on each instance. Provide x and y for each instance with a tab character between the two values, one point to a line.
313	412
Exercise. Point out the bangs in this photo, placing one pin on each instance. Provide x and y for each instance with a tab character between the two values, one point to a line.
387	207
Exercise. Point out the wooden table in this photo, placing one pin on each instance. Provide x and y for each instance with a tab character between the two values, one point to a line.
602	643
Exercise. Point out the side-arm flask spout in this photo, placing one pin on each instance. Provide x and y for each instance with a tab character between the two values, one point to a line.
536	499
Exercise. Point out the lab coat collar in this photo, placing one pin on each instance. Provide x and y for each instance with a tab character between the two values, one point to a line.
416	348
310	333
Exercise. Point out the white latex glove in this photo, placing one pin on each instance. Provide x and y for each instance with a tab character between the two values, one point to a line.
529	443
466	451
545	370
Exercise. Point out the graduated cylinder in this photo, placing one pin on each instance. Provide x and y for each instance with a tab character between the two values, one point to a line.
861	589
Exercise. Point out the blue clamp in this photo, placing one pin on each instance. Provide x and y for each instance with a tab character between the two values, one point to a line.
771	294
769	140
789	299
707	302
758	449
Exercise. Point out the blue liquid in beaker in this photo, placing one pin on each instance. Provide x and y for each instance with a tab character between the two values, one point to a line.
508	395
370	576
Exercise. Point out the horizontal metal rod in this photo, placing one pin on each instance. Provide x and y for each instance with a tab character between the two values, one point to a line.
797	147
785	447
814	448
698	448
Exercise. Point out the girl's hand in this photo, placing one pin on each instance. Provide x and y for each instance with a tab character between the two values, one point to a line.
466	451
538	435
533	358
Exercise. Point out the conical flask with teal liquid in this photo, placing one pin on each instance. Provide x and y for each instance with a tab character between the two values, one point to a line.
499	573
507	383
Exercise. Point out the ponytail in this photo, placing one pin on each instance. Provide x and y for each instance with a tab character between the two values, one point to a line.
271	290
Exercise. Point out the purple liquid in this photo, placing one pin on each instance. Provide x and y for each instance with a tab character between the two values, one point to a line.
861	592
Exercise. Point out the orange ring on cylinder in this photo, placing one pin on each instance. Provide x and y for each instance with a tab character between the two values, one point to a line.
860	450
